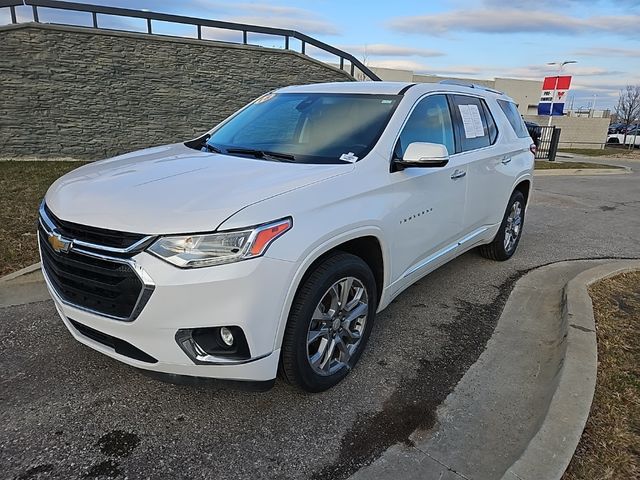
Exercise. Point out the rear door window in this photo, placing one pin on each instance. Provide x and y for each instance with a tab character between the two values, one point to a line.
511	112
474	124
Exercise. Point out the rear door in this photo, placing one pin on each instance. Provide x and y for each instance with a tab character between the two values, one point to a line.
477	135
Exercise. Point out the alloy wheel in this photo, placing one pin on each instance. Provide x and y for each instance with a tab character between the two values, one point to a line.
337	326
513	227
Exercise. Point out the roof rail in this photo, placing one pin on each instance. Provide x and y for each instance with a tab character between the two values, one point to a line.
462	83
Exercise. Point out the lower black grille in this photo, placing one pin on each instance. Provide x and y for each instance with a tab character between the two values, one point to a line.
120	346
104	286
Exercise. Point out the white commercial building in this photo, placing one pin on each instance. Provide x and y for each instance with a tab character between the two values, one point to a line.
526	93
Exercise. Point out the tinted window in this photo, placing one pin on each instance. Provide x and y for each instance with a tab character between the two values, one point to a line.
476	127
312	127
511	111
429	122
491	124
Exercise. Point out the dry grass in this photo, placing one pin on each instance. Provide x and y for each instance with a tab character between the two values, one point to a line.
610	445
22	187
546	165
595	152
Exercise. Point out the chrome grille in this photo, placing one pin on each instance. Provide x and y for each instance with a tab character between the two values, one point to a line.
107	284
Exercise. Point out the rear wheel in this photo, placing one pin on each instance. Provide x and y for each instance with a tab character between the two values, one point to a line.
506	240
329	323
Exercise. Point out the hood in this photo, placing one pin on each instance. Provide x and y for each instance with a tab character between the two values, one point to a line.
174	189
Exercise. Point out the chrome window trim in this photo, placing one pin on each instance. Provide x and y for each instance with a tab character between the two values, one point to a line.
53	229
148	285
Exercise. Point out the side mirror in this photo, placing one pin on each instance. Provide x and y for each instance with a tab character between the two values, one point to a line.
422	154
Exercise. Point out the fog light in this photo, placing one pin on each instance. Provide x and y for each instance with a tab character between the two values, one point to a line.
226	336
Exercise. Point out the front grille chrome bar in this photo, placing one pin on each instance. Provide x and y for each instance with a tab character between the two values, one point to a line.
50	226
148	285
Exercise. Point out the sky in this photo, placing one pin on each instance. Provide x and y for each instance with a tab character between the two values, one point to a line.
470	38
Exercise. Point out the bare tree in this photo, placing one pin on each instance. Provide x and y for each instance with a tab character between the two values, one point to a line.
360	76
628	108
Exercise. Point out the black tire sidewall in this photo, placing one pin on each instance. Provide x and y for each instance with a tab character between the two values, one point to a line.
314	288
499	240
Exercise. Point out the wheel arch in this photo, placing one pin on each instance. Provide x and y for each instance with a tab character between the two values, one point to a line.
366	243
524	186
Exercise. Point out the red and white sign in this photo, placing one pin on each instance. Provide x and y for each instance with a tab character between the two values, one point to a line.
560	85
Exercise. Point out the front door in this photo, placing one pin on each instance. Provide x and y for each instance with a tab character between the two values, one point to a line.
430	212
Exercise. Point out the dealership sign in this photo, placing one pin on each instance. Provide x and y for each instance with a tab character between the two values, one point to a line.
554	85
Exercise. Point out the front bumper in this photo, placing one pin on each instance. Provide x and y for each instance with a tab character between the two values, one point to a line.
249	294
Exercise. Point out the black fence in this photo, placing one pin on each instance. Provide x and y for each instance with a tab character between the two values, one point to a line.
547	143
96	11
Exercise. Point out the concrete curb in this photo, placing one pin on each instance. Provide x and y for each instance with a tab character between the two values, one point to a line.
20	273
551	449
582	171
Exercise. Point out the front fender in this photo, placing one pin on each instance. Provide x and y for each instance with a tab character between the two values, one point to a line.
316	251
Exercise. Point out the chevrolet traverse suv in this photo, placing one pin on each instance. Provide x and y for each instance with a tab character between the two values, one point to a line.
270	243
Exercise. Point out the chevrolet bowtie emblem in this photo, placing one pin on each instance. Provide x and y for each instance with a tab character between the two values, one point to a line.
59	243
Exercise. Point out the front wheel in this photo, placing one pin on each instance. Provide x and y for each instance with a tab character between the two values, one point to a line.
506	240
329	323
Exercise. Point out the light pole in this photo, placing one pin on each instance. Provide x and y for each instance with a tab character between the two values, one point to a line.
635	135
555	84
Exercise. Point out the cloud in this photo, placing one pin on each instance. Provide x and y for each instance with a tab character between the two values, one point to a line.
510	20
558	4
263	14
419	67
303	25
539	71
608	52
388	50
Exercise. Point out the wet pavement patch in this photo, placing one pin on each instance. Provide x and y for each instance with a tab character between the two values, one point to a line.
34	472
106	469
413	405
118	443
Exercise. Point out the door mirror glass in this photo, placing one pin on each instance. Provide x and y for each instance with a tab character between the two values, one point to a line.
423	154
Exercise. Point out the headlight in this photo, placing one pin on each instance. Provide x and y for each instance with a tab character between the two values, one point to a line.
203	250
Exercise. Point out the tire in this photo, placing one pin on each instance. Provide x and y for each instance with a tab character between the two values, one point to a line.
504	244
317	311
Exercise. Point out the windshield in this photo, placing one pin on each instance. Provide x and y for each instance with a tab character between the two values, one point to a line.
306	127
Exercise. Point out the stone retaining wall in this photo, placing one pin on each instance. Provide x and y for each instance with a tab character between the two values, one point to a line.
87	93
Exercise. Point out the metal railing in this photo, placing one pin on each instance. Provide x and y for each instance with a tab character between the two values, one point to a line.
199	23
547	145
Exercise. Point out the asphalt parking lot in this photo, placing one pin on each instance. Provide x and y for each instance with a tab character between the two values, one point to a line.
69	412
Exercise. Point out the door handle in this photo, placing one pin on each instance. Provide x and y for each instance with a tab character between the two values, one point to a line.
505	160
458	174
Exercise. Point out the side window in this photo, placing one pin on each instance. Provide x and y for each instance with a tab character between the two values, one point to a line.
474	121
491	124
429	122
511	112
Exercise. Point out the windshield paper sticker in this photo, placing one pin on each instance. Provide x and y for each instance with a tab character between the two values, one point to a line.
348	157
471	120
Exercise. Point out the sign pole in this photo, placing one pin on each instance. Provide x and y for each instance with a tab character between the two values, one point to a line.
553	97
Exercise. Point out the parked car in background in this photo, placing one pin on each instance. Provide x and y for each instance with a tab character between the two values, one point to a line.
617	128
270	243
631	137
620	128
535	132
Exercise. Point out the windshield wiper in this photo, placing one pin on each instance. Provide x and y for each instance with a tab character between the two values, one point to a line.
212	148
284	157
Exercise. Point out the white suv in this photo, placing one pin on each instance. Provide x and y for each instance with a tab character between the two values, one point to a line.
270	243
